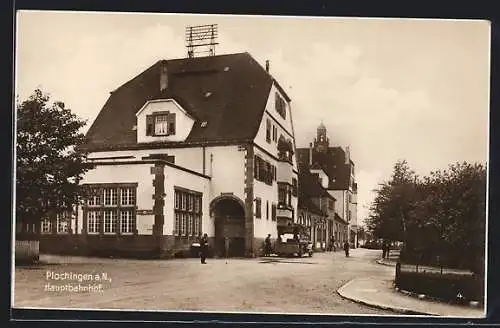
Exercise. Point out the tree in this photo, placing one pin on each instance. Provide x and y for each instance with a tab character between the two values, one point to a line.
390	212
442	214
49	163
455	210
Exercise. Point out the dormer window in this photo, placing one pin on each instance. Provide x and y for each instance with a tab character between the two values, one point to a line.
160	124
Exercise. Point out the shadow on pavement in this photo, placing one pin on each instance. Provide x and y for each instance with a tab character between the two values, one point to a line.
285	261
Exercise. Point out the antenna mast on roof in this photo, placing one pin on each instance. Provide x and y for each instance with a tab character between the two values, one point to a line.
201	40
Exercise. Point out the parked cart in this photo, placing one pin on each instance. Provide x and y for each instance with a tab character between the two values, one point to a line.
293	242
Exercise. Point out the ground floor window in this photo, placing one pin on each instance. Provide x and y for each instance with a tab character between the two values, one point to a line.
93	224
110	221
61	222
187	212
127	222
110	208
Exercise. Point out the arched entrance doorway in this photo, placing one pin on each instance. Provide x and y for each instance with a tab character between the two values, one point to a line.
229	215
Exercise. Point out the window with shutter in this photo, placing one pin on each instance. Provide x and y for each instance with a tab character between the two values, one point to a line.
255	167
171	123
149	125
268	130
258	208
273	212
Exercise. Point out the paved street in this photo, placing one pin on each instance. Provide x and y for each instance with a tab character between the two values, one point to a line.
306	285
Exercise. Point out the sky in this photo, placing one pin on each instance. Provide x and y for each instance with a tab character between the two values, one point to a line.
389	89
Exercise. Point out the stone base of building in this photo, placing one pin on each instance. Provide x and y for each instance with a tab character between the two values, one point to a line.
258	247
133	246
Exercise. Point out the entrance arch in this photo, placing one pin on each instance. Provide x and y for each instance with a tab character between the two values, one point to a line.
229	217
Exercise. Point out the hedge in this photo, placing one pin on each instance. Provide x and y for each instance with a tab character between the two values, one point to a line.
445	287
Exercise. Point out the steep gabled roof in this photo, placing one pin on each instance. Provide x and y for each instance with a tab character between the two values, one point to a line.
229	92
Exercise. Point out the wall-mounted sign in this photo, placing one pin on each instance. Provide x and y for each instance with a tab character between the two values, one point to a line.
144	212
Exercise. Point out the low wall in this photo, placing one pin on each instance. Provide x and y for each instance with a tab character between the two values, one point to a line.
133	246
27	251
450	287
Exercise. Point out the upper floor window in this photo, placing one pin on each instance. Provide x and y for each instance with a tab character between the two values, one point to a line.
160	124
264	171
285	149
294	187
280	105
258	208
268	130
284	194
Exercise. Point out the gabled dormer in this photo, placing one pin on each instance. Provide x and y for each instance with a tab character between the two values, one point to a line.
163	120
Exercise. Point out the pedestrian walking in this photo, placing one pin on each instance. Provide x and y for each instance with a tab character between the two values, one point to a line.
267	245
203	248
346	248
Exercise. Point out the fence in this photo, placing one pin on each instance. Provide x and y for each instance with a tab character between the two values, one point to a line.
448	284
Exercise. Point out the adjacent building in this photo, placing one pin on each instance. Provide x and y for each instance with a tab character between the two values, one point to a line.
317	208
337	169
189	146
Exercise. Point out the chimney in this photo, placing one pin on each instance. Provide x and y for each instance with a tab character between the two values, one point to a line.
310	154
163	77
267	66
347	155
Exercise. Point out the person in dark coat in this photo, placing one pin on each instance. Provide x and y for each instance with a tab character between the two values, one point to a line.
267	246
346	248
203	248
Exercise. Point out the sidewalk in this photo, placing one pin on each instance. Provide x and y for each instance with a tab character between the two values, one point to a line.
378	291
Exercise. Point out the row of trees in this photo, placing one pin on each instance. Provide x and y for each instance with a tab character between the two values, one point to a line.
441	218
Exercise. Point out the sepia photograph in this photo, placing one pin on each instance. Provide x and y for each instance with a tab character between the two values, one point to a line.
250	164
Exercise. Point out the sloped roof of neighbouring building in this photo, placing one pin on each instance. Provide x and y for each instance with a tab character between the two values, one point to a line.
310	187
238	89
333	164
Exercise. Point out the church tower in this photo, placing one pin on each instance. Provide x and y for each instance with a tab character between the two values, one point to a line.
321	143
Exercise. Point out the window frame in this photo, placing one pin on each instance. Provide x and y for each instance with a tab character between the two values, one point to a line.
106	218
268	130
280	105
187	219
258	208
169	119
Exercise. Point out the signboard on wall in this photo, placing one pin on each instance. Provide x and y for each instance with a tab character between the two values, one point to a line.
144	212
